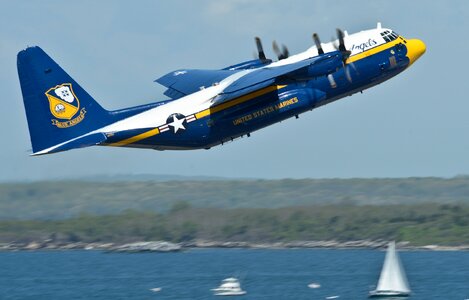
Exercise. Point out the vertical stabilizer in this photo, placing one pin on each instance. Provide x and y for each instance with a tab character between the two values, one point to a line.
58	109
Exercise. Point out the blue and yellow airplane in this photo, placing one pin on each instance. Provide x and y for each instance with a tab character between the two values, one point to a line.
209	107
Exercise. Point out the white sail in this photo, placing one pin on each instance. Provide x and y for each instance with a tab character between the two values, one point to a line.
392	276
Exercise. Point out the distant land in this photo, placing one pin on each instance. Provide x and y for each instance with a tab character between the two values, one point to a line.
303	226
128	177
55	200
151	177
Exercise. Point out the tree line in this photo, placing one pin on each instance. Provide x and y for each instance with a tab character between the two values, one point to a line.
67	199
422	224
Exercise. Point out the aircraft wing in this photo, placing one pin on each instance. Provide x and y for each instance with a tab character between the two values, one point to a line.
263	77
184	82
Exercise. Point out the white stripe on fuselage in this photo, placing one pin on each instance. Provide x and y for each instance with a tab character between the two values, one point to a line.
187	105
201	100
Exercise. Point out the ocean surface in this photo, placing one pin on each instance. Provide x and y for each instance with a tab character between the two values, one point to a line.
264	274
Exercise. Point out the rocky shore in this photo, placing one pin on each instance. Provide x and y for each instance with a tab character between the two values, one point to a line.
163	246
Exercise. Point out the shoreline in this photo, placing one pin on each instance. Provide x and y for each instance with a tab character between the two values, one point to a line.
164	246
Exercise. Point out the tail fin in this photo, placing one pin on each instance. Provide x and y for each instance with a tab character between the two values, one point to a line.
58	109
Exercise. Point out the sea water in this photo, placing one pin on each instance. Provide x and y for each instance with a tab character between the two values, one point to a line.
264	274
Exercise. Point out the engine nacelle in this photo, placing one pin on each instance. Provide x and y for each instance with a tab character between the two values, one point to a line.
326	64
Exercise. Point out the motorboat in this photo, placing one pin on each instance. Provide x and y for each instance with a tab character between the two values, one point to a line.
314	285
229	287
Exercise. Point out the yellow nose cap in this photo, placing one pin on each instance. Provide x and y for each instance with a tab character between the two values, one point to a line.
415	49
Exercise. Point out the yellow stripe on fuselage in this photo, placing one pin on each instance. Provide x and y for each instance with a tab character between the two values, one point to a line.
374	50
204	113
237	101
136	138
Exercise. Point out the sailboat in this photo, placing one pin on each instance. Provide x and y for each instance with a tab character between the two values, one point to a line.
392	281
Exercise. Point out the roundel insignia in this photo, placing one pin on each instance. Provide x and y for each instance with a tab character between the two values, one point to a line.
177	122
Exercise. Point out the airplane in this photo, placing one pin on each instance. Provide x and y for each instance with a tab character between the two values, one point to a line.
210	107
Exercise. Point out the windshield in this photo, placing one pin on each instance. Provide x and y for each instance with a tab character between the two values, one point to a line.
389	35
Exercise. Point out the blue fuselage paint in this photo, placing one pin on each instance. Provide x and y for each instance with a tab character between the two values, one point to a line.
291	99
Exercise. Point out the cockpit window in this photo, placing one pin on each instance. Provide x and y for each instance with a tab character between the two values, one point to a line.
389	35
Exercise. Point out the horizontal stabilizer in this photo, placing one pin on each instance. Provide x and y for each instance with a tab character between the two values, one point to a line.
185	82
80	142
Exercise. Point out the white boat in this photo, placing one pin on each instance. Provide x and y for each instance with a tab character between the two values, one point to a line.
392	281
229	287
314	285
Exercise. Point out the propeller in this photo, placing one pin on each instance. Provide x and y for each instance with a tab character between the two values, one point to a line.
281	54
318	43
345	54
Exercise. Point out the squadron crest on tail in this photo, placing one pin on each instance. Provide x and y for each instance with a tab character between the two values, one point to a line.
64	105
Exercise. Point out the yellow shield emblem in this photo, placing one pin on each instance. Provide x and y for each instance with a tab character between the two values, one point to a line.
63	102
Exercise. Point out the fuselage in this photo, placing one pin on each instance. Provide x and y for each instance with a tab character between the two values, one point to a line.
196	121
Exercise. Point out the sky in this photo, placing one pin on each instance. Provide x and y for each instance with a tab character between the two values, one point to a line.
416	124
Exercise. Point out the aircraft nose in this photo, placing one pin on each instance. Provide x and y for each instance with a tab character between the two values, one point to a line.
415	49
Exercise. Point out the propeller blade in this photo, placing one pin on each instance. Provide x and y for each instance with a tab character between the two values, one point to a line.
353	66
276	49
318	43
285	51
281	54
260	49
347	73
340	35
341	46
